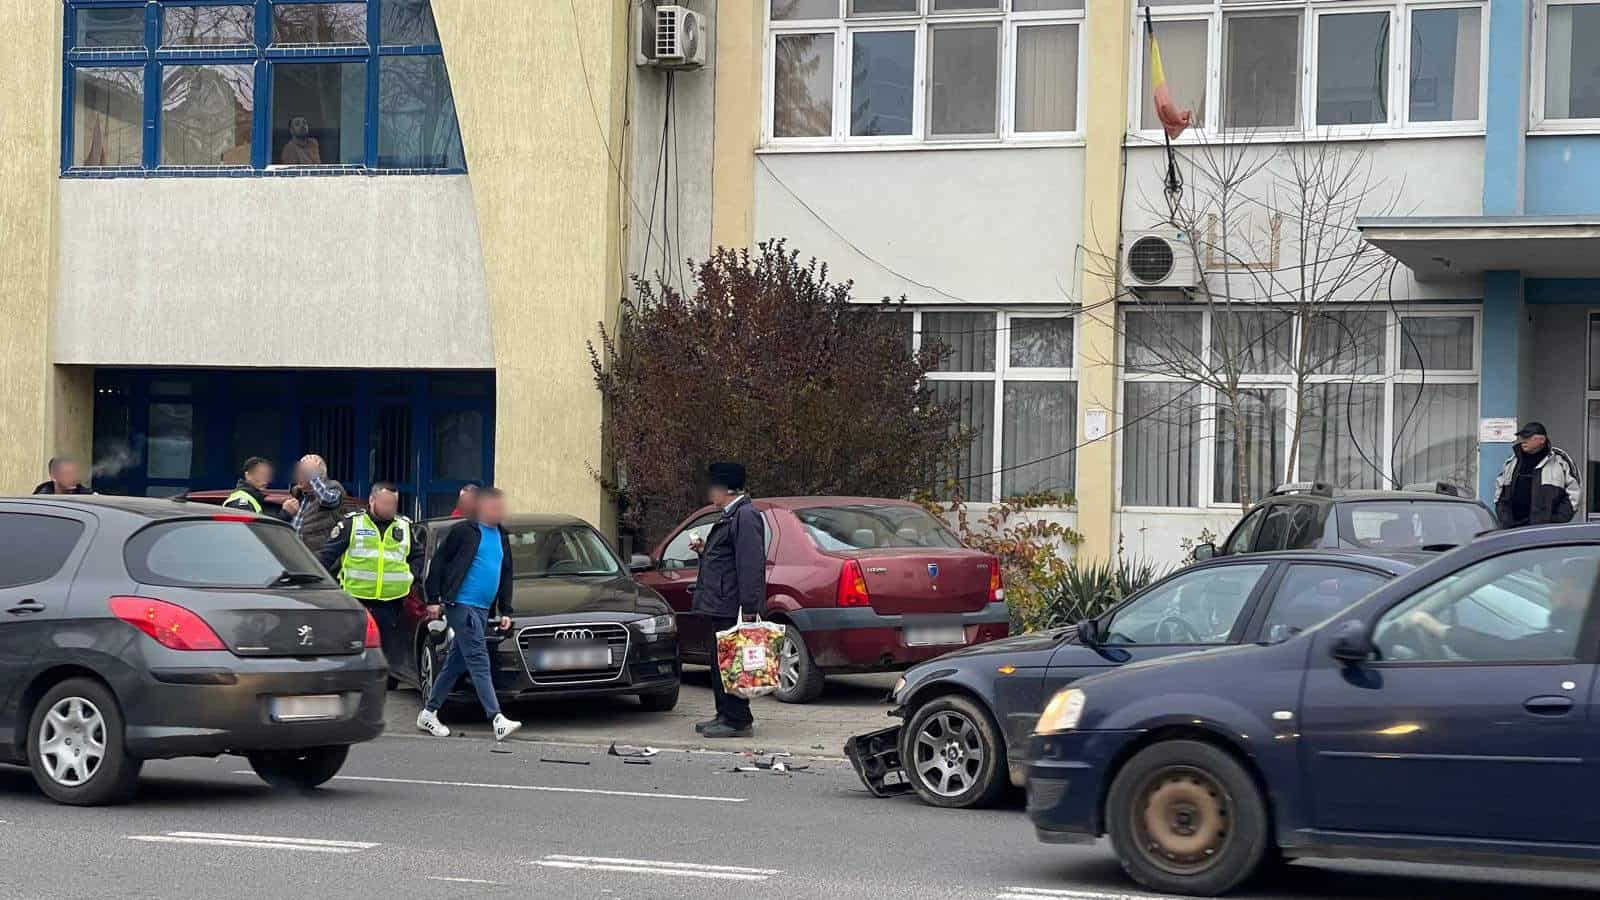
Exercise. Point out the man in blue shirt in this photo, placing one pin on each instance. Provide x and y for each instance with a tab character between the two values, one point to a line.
470	582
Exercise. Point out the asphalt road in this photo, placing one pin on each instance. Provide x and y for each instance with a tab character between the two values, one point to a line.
417	817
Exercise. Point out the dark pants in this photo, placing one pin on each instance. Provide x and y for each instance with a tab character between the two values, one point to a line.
469	655
733	711
387	614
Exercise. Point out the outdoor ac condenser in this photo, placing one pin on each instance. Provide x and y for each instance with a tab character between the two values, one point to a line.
671	37
1162	258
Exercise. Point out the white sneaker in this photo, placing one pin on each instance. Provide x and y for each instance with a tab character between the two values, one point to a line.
503	727
429	722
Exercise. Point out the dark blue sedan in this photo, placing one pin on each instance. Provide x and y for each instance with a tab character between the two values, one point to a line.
1450	716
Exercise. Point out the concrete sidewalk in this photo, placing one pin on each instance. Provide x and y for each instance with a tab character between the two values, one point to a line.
850	705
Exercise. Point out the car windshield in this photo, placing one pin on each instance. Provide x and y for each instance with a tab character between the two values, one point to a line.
542	551
1411	524
1201	606
223	553
870	526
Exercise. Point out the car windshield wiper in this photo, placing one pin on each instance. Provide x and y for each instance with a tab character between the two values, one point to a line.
291	578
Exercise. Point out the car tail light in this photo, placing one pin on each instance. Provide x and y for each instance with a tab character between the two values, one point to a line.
852	585
997	588
171	625
374	639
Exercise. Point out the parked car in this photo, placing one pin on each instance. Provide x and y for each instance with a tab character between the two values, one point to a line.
968	715
860	584
273	505
1450	716
580	626
1303	515
140	629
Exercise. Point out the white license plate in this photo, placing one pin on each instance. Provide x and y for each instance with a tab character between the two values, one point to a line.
935	635
567	659
310	708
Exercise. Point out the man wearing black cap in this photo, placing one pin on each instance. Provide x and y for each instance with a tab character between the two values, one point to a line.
1539	483
732	582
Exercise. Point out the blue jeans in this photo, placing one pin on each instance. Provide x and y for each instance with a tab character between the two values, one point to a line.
469	655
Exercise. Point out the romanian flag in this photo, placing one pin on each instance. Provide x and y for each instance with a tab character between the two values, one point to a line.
1174	120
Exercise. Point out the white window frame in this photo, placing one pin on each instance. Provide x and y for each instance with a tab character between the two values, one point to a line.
1214	13
1536	76
844	27
1389	376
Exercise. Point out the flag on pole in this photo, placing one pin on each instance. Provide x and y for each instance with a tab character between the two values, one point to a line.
1174	120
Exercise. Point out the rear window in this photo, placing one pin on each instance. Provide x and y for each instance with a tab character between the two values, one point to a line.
1411	524
868	527
213	553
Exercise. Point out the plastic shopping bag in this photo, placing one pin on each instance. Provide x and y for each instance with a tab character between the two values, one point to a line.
747	658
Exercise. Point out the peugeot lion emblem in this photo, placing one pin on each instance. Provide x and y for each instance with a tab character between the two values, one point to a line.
305	635
574	634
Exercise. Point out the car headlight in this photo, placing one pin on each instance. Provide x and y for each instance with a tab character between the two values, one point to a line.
666	624
1063	712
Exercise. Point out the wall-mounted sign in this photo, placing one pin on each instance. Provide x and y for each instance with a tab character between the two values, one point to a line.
1497	431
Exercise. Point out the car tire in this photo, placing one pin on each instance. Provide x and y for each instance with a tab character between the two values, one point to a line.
72	722
428	662
1186	818
953	754
299	769
800	679
660	701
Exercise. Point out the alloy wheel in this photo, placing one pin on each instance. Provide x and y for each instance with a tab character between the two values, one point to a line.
425	672
72	743
1183	819
948	754
789	666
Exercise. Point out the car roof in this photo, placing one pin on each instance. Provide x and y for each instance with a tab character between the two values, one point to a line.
1356	496
148	507
1395	563
530	520
809	502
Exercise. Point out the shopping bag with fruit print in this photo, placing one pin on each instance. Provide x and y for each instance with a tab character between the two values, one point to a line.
747	658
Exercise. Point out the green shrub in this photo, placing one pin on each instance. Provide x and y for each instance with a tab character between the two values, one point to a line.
1085	590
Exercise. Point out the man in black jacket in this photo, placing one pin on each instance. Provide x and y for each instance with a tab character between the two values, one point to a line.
732	583
469	581
63	478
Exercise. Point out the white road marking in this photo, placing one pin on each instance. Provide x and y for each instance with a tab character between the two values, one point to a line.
656	867
1018	892
648	795
253	842
459	880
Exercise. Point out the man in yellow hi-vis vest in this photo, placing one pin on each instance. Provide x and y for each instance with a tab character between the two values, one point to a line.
377	555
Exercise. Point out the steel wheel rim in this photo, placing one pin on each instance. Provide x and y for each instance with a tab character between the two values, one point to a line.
947	754
72	741
1183	819
789	665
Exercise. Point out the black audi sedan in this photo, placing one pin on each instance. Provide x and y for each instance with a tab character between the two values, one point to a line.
137	629
580	625
968	715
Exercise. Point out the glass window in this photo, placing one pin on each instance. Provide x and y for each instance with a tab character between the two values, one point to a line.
974	401
963	80
1594	353
1310	595
1438	428
834	528
417	115
1047	78
206	115
1200	607
1039	425
1252	343
408	22
802	72
208	26
969	338
1526	606
1161	444
1412	524
1591	475
1347	342
1446	53
1040	343
1183	59
318	113
1571	80
940	6
171	440
1353	68
549	551
319	23
1044	5
882	82
108	116
1274	533
1243	538
1261	75
881	7
783	10
1265	415
677	555
114	27
34	548
1165	341
1340	434
1305	527
458	442
1437	343
206	553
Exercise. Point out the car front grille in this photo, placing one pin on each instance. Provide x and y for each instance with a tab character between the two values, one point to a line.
616	637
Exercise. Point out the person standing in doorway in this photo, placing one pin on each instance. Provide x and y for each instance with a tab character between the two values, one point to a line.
314	501
732	583
251	493
1539	484
466	502
377	555
469	582
64	478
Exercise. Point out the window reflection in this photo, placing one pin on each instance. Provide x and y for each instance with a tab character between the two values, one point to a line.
319	23
108	116
208	26
417	115
409	22
318	113
206	114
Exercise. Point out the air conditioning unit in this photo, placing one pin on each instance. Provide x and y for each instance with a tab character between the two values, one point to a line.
1162	258
671	37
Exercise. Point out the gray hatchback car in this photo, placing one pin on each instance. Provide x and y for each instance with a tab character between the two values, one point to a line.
135	629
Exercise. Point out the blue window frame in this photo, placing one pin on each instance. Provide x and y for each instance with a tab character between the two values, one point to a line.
256	87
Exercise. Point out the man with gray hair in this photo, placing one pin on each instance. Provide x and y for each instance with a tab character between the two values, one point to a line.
64	478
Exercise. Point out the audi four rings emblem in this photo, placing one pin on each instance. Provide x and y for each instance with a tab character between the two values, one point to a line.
574	634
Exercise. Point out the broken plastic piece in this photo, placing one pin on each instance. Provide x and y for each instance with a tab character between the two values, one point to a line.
635	752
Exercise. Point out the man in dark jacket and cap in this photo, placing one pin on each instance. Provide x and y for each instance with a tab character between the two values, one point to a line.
1539	484
732	582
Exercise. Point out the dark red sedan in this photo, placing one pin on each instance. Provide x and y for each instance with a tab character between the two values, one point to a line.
863	585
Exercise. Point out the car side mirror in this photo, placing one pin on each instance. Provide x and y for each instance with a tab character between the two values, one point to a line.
1352	647
1204	551
640	563
1089	632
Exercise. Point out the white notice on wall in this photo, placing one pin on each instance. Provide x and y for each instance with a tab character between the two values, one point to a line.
1094	424
1497	431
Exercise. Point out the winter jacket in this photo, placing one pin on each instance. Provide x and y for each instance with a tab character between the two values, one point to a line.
448	569
49	487
733	564
319	511
1557	492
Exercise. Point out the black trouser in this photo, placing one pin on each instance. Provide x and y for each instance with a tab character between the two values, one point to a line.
387	614
733	711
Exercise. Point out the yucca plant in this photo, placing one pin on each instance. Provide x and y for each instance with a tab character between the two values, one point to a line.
1087	589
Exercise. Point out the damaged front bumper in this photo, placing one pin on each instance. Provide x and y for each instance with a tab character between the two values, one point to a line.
876	758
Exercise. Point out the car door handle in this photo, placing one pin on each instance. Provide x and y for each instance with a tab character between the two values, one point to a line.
1548	705
26	608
